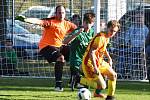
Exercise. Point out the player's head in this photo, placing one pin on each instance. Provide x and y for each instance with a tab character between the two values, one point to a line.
8	43
112	27
89	19
76	19
60	12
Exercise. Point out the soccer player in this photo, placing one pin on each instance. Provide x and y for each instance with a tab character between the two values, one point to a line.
50	45
95	67
8	59
79	44
76	19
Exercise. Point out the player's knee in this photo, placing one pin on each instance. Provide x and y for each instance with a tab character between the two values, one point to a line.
103	86
61	58
113	77
116	76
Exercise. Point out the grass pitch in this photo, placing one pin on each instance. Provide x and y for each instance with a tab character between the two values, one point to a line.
42	89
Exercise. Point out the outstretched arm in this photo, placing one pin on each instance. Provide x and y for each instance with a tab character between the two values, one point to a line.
35	21
72	37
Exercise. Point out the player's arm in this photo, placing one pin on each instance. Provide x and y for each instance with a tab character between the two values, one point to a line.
72	36
109	58
93	59
96	69
35	21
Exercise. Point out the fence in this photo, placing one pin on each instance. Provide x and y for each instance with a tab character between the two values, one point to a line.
128	62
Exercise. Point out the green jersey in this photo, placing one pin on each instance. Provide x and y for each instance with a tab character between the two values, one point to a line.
10	55
78	47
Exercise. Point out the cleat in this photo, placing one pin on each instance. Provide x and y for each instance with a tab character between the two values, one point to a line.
100	95
59	89
79	86
110	98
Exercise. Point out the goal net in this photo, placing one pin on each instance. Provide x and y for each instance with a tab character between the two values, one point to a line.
128	46
19	54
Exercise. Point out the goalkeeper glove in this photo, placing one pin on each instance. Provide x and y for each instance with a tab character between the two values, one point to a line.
21	18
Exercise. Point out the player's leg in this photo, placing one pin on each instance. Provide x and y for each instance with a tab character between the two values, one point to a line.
52	54
72	79
112	77
58	73
78	73
101	85
71	74
93	80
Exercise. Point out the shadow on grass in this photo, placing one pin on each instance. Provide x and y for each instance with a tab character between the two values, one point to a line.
134	86
4	99
47	84
34	82
29	84
12	88
35	96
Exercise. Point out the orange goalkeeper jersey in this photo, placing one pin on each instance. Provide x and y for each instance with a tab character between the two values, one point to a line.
54	34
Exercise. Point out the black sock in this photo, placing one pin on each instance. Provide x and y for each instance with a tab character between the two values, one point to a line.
58	73
77	77
71	75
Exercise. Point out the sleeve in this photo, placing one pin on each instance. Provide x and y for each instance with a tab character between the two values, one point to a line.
92	31
72	27
97	43
45	22
74	31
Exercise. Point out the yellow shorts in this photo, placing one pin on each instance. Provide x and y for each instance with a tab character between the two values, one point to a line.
88	70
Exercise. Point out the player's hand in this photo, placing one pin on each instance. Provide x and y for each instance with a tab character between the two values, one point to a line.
80	30
21	18
96	71
46	24
110	62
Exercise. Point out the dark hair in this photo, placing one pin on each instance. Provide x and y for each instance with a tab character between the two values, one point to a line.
89	17
8	40
58	7
76	16
113	23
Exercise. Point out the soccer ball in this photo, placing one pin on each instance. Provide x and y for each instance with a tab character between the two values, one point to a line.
84	94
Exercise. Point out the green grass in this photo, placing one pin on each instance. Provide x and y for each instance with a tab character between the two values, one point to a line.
42	89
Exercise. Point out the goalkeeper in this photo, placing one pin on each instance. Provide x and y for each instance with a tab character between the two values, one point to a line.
54	32
95	67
